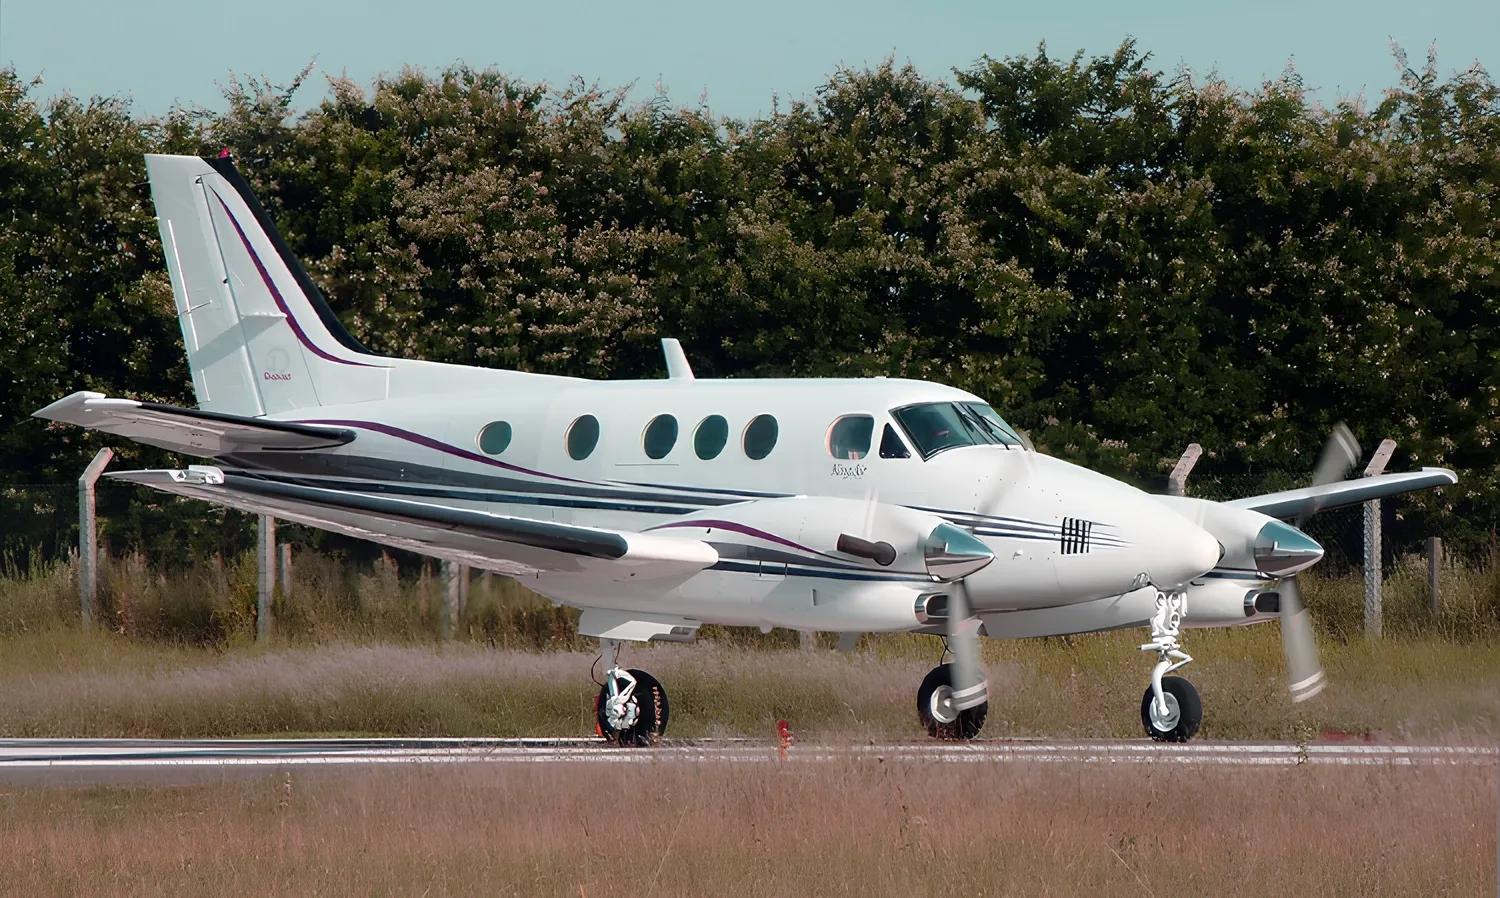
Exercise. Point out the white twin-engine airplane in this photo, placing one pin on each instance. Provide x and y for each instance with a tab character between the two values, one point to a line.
655	506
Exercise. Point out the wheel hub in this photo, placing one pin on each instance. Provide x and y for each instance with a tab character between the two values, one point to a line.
1167	722
622	713
940	705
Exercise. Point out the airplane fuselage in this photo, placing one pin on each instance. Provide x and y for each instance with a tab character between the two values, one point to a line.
660	452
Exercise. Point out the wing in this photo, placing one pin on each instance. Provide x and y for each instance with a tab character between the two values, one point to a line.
1291	503
503	543
191	431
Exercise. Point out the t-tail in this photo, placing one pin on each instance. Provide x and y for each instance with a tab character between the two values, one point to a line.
260	337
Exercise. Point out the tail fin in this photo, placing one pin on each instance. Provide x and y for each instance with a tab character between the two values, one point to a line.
260	337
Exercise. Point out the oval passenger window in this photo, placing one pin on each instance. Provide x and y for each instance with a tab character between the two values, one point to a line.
494	437
583	436
660	436
760	436
710	437
849	437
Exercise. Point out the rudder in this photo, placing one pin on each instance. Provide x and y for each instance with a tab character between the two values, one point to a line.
260	338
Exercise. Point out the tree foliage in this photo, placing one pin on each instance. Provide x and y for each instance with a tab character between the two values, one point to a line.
1121	259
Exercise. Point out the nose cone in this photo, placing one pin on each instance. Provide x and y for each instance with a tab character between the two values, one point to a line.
1282	550
952	553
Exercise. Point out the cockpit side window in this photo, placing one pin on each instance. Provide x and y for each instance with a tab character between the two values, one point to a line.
891	445
936	426
933	427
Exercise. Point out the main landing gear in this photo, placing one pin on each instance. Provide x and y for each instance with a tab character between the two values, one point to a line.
1170	710
631	708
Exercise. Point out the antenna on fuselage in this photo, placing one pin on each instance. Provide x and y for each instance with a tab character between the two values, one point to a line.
677	363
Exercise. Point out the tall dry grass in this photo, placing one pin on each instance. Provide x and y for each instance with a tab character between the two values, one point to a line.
356	651
856	828
213	603
76	684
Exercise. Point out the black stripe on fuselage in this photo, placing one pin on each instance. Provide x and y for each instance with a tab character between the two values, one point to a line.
384	476
777	570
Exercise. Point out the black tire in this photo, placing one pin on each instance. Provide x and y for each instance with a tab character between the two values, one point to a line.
969	722
1189	711
650	703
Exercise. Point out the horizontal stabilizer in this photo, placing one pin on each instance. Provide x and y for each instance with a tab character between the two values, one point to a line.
191	431
1291	503
504	543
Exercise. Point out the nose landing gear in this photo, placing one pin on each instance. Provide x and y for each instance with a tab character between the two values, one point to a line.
1170	710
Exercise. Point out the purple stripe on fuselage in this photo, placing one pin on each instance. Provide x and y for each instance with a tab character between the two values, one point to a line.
438	445
276	294
747	531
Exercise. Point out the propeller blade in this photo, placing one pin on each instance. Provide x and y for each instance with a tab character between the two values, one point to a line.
1304	670
1339	454
968	683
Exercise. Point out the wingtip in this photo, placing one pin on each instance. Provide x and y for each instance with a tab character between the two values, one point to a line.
1447	474
56	411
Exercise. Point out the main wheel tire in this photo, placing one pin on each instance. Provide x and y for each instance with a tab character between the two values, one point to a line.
649	701
942	722
1184	711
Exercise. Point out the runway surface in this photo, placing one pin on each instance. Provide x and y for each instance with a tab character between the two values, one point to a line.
65	761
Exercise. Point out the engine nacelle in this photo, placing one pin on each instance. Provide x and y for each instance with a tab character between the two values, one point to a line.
826	531
1230	603
1253	543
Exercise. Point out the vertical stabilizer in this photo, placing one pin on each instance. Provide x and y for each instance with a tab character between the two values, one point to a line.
260	337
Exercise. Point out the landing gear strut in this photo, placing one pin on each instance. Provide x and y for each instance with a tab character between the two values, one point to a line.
1170	710
631	708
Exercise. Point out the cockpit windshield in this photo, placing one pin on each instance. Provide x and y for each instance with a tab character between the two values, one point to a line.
935	426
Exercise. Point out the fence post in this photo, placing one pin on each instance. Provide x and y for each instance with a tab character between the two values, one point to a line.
453	574
1177	480
1374	580
1434	569
284	568
88	542
266	583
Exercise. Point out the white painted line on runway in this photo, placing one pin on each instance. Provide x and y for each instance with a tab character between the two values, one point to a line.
140	754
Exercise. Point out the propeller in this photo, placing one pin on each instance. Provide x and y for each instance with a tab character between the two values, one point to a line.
953	555
1293	548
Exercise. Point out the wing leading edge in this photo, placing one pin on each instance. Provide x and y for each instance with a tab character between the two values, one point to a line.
503	543
1291	503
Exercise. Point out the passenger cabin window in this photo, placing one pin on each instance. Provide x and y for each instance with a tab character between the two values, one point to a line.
760	436
494	437
660	436
583	436
891	445
710	437
935	426
849	437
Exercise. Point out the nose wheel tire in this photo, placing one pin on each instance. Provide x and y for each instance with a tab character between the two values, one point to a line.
935	708
639	720
1183	715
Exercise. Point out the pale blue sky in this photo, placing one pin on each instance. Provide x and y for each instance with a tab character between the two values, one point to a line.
164	51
